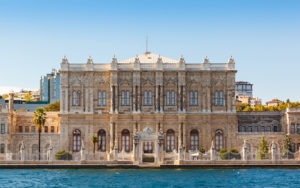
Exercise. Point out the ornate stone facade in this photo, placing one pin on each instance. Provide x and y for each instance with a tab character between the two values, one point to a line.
147	109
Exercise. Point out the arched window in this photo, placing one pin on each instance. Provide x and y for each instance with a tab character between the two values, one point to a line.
292	129
102	140
219	140
194	140
127	98
126	140
76	140
170	140
35	148
74	98
78	98
216	98
99	98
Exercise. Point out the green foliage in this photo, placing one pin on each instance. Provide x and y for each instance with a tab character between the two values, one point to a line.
52	107
201	150
39	117
287	143
227	154
263	149
63	155
259	108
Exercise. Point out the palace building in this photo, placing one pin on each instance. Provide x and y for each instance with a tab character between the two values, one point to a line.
145	108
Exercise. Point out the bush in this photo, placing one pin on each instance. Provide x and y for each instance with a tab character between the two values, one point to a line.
201	150
232	153
63	155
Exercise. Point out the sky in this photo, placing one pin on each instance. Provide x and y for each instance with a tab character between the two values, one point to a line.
263	36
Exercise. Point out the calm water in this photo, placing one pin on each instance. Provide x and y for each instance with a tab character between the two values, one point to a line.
151	178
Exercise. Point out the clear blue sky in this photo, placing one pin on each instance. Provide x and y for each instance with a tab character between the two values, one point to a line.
263	36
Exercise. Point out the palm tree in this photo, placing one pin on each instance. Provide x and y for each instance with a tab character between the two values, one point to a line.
39	120
94	141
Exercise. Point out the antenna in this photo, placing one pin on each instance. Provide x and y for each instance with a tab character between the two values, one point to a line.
147	44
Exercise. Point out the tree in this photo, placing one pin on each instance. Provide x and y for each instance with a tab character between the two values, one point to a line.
27	96
52	107
39	120
94	141
287	145
263	149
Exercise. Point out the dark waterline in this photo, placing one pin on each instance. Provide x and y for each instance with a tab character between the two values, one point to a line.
150	178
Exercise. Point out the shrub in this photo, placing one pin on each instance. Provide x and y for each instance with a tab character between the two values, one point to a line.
201	150
228	154
63	155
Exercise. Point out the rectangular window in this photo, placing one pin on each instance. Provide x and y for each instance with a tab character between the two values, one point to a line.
173	98
293	147
262	129
33	129
46	129
221	98
292	129
216	98
275	128
2	128
52	129
191	97
26	129
145	98
2	149
127	98
123	98
150	98
20	129
196	98
104	98
249	129
99	98
168	98
298	129
256	129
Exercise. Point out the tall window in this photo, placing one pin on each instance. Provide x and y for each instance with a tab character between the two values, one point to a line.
76	98
20	129
219	140
193	98
221	98
275	128
2	128
101	98
170	140
26	129
148	147
125	98
102	140
2	148
35	148
194	140
46	129
250	129
33	129
218	98
76	140
52	129
148	98
292	129
125	140
298	129
170	98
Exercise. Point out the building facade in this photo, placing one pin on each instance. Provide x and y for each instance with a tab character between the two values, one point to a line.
50	87
146	108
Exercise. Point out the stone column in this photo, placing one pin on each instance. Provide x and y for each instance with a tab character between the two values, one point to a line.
133	99
184	135
116	99
156	98
212	151
244	151
208	100
162	99
66	102
111	99
273	151
183	99
139	103
91	100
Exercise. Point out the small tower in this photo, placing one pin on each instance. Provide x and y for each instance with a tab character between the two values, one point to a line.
64	64
230	63
89	60
206	63
11	102
159	63
137	63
